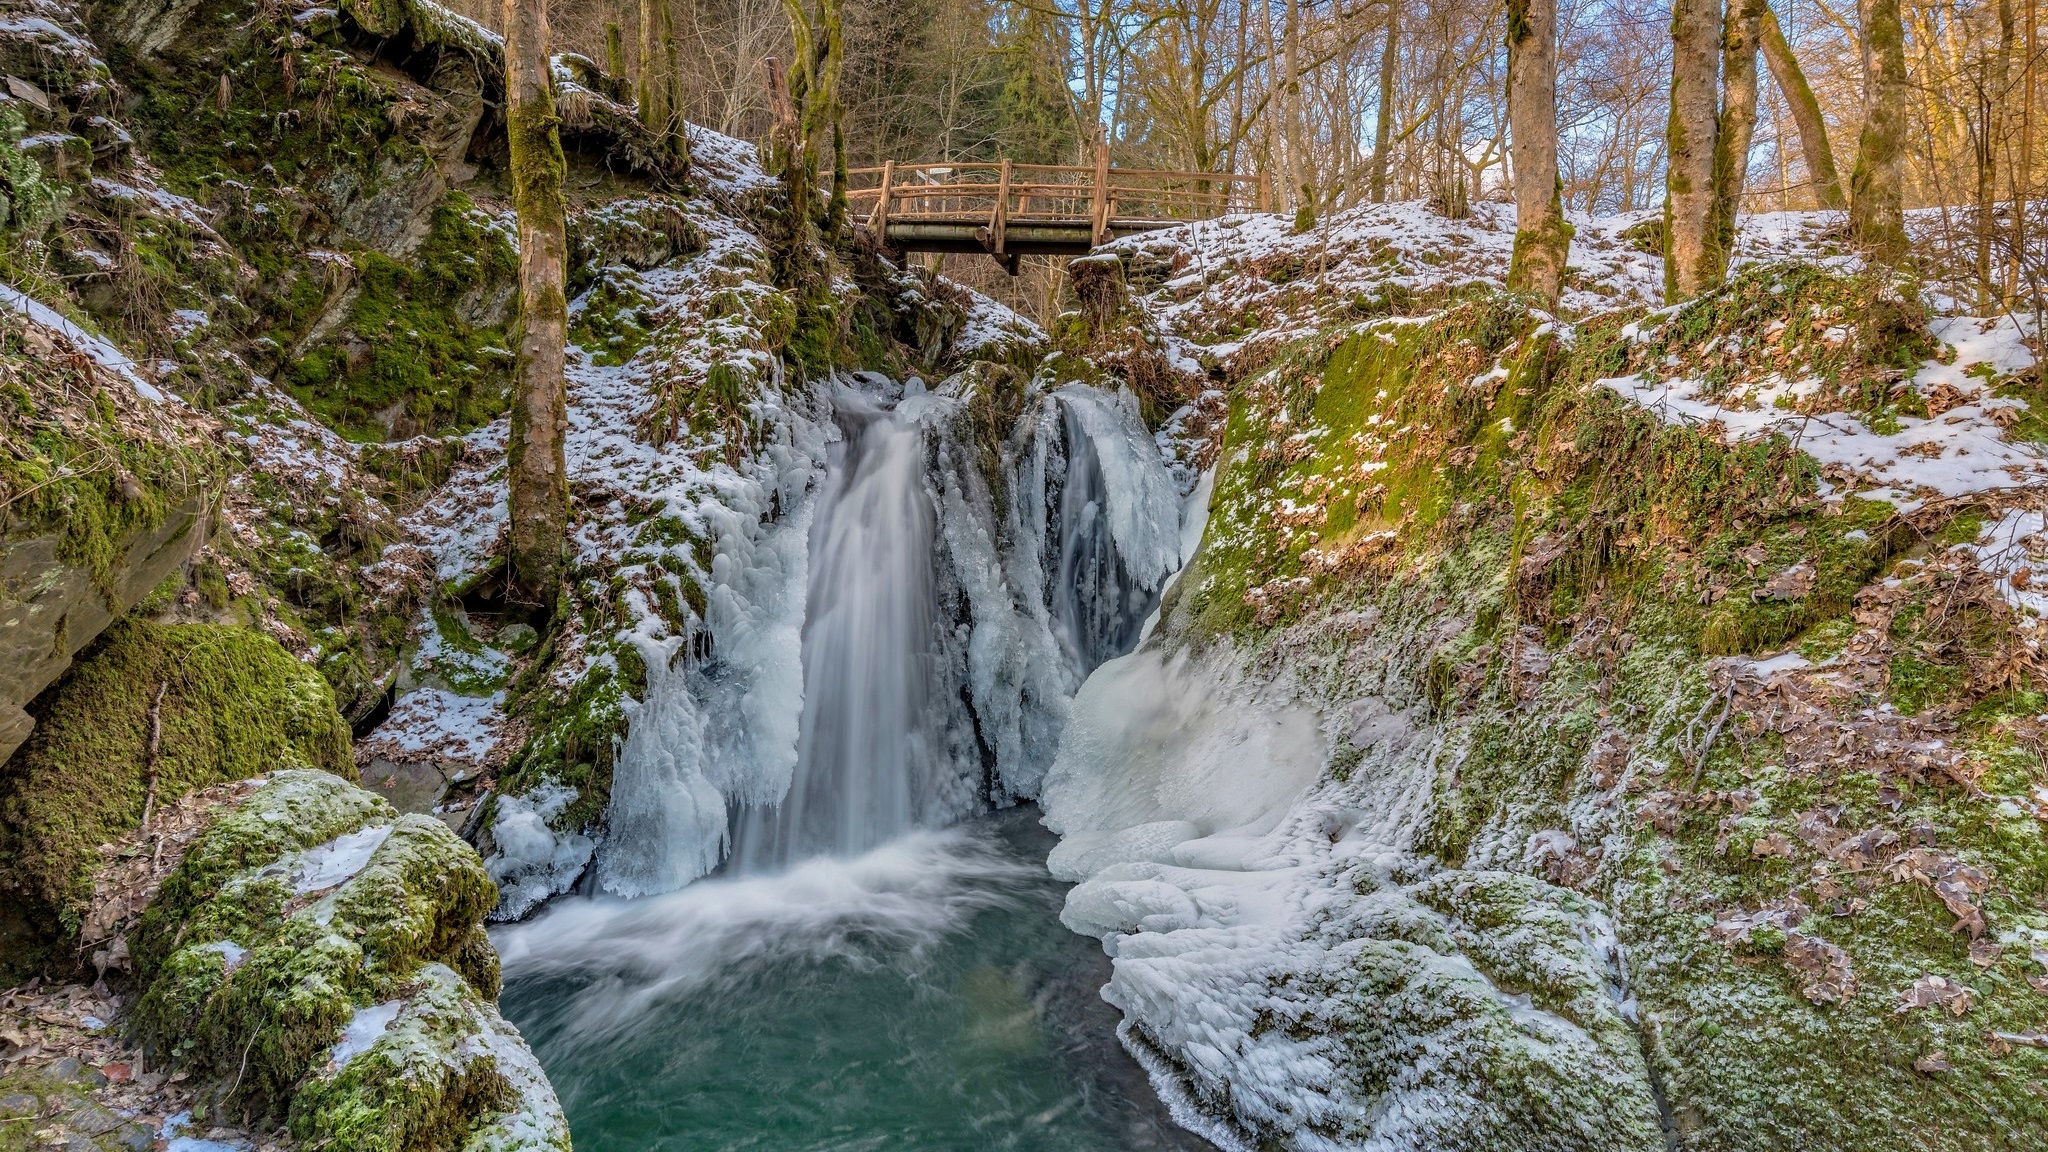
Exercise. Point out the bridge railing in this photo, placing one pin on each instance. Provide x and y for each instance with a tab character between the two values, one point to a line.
1003	193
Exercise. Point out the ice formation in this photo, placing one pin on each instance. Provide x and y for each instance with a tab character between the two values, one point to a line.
892	652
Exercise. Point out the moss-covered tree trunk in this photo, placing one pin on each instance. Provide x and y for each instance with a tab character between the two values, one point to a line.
1739	42
1806	114
820	44
831	112
660	87
1542	236
537	476
615	56
1877	219
1383	131
1690	143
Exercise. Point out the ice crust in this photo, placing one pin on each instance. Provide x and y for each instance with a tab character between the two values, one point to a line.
334	862
533	861
1291	971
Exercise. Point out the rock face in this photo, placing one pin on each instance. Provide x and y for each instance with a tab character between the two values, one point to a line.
217	702
50	607
318	958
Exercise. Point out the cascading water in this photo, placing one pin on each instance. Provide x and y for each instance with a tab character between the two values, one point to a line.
1098	604
867	924
876	749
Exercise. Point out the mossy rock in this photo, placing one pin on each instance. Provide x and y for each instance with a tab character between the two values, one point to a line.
317	957
234	704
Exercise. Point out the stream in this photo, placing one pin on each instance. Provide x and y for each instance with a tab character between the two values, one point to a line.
922	996
876	959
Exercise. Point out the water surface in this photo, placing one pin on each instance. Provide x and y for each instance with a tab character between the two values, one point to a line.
920	997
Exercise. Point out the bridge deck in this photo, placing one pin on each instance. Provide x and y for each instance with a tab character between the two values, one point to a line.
1009	210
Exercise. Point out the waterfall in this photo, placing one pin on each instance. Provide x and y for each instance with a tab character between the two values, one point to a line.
874	757
940	638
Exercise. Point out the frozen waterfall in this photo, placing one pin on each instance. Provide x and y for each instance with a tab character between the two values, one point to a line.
946	617
874	753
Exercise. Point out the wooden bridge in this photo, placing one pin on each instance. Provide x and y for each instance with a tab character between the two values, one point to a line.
1011	210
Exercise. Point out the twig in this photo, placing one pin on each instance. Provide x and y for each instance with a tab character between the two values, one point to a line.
2022	1039
156	736
1699	767
253	1033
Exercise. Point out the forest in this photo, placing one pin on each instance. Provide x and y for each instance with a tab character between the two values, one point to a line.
1027	575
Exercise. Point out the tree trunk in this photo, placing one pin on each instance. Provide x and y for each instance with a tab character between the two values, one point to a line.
1877	220
1691	140
1737	128
537	478
1383	134
653	87
1806	115
2021	181
1992	83
1297	124
1542	236
833	112
814	91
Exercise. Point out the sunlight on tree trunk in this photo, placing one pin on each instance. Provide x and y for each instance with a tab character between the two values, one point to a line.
1806	115
1542	236
1691	142
1877	219
539	492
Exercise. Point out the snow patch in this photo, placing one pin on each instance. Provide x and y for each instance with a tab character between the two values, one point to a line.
337	860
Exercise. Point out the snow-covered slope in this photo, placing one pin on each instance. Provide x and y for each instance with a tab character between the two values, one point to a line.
1403	826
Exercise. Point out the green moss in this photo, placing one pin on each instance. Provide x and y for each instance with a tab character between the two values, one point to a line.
609	322
1460	508
73	461
1916	684
404	1092
575	736
235	704
248	981
412	348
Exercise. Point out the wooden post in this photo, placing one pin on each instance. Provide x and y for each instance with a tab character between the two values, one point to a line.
1265	192
879	222
1001	220
1098	204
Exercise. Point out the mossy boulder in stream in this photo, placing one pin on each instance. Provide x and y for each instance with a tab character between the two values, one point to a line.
320	959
